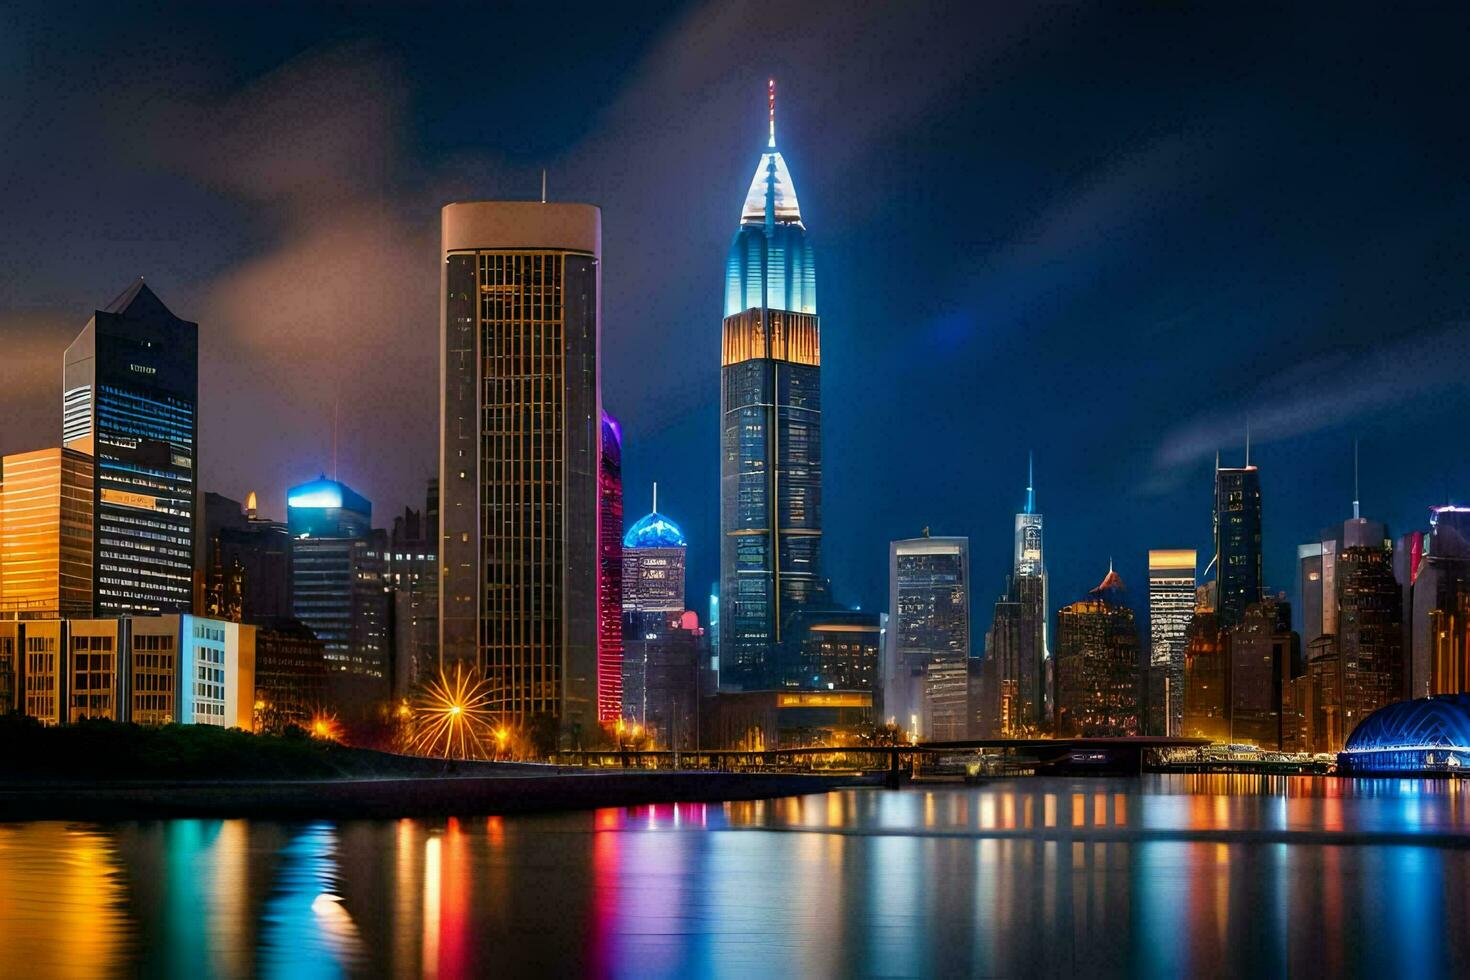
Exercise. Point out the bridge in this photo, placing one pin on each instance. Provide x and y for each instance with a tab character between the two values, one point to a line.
1049	756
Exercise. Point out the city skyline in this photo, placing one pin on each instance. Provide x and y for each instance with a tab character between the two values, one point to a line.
464	545
965	328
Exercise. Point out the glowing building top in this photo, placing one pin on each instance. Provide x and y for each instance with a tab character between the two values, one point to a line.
771	218
1029	559
654	531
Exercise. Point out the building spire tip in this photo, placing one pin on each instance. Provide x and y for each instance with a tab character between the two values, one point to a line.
771	105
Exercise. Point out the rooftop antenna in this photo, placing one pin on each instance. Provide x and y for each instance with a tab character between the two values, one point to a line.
1030	483
771	102
336	403
1247	442
543	185
1355	479
655	496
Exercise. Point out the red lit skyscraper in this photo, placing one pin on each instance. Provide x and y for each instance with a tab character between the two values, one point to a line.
610	573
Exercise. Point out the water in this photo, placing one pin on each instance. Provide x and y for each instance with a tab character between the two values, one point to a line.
1168	875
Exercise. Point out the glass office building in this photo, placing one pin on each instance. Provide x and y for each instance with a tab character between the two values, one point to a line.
927	646
771	425
130	392
1171	599
338	576
521	431
1237	541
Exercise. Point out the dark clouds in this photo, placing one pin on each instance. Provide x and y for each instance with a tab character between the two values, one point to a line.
1110	237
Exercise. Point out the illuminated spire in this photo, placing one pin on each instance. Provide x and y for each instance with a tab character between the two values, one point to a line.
250	505
772	196
771	101
1030	485
1355	479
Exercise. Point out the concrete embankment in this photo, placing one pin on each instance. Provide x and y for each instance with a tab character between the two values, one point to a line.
511	792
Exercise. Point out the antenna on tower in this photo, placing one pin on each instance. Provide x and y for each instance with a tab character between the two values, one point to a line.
1355	479
543	185
336	404
1030	482
1247	442
771	103
655	496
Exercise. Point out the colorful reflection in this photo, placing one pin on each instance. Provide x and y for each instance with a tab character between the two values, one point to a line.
1159	876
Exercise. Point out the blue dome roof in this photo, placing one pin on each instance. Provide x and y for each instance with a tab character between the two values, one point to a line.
654	531
1438	722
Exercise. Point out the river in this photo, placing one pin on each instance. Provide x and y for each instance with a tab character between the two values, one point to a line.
1158	876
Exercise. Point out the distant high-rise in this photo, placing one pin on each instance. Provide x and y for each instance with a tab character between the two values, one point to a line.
46	527
521	429
412	574
1237	540
771	421
338	580
247	563
1098	664
1171	601
1433	570
130	393
1014	675
1263	655
1206	672
925	660
1353	620
610	573
661	669
652	621
654	554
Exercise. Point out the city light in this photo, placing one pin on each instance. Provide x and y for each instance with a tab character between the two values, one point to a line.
325	726
452	718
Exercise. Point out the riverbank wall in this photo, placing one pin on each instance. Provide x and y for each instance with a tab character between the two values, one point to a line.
390	798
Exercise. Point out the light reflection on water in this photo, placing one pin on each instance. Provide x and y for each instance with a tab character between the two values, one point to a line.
1159	876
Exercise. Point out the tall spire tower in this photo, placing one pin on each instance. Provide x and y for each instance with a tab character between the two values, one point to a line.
771	422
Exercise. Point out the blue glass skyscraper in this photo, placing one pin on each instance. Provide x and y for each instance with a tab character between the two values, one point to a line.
771	421
130	392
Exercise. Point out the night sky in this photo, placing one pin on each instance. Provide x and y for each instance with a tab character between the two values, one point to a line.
1108	236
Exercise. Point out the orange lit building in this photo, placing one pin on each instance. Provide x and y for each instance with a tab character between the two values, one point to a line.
46	511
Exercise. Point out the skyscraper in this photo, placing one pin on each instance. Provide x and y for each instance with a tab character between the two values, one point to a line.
338	584
1263	655
1014	675
1237	540
46	526
521	429
1171	600
1433	570
771	417
653	555
1097	669
247	563
925	660
653	625
1353	614
1206	672
610	573
130	392
412	573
